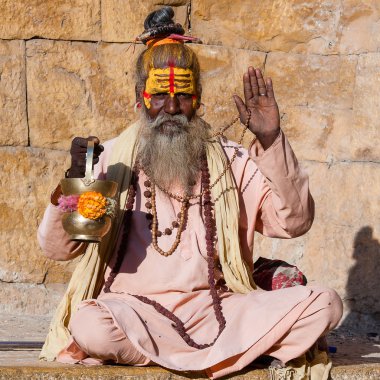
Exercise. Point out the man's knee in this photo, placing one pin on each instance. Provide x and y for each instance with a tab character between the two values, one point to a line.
91	328
94	330
329	307
336	308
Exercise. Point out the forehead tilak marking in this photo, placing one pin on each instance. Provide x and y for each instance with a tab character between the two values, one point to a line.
171	78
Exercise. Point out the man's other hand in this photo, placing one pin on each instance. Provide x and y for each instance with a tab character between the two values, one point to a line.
260	102
78	152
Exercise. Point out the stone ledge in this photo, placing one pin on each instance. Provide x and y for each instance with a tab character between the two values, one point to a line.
49	371
22	365
357	357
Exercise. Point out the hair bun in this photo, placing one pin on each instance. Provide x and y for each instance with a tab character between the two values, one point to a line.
160	24
163	16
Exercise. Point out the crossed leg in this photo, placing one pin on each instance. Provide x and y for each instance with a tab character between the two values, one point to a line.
95	332
321	316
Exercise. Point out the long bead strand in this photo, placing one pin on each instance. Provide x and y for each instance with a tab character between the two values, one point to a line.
210	247
210	224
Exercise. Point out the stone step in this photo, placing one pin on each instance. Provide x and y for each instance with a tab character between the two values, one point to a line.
24	365
357	357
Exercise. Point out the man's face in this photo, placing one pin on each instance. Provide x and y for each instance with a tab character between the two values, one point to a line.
170	91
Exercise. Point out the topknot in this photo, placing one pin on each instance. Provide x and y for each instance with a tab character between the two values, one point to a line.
163	16
160	24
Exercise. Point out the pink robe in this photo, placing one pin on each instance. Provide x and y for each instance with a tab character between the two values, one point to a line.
274	201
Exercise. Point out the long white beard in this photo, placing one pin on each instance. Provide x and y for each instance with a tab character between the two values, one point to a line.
171	148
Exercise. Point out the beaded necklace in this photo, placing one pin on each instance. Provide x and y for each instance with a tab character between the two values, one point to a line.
153	226
210	224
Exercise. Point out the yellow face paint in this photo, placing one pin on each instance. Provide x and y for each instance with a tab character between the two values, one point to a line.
171	80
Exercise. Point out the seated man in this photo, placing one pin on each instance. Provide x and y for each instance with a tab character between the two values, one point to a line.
172	282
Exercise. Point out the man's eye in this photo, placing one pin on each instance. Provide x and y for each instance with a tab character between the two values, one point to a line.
184	95
160	95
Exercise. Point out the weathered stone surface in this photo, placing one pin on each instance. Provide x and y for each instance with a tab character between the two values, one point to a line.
327	104
325	82
319	27
14	126
61	77
123	20
32	327
28	177
31	299
222	71
359	27
316	96
29	369
267	25
341	250
57	19
24	365
78	89
320	134
366	122
115	99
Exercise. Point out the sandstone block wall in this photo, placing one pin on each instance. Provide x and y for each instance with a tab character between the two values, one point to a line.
66	69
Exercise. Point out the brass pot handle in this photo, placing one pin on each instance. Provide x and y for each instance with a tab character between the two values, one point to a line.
89	175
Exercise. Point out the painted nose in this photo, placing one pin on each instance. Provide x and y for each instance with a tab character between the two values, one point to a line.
172	105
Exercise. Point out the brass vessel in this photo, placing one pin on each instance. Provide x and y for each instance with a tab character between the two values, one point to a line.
76	225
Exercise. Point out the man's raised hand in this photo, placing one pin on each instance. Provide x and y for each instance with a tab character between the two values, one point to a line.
261	103
78	155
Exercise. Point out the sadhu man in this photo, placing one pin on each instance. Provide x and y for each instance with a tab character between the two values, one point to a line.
172	283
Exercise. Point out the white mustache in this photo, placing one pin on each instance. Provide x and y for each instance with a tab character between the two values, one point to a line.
179	121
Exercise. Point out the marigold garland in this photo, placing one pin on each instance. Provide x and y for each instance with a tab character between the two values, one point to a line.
92	205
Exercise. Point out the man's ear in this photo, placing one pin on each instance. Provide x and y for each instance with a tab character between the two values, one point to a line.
138	94
199	95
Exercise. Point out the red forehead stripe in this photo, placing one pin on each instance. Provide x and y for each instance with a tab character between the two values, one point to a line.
146	95
171	79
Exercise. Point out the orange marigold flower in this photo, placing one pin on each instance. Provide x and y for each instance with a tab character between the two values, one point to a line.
92	205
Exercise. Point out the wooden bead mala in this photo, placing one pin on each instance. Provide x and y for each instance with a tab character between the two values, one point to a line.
179	223
210	224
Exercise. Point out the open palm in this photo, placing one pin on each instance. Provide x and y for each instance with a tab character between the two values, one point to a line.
261	104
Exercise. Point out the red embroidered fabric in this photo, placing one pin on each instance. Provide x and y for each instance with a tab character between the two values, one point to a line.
276	274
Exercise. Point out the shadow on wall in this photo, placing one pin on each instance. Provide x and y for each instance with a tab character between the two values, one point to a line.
363	286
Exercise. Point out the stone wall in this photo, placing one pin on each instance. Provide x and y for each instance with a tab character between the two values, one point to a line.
66	69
